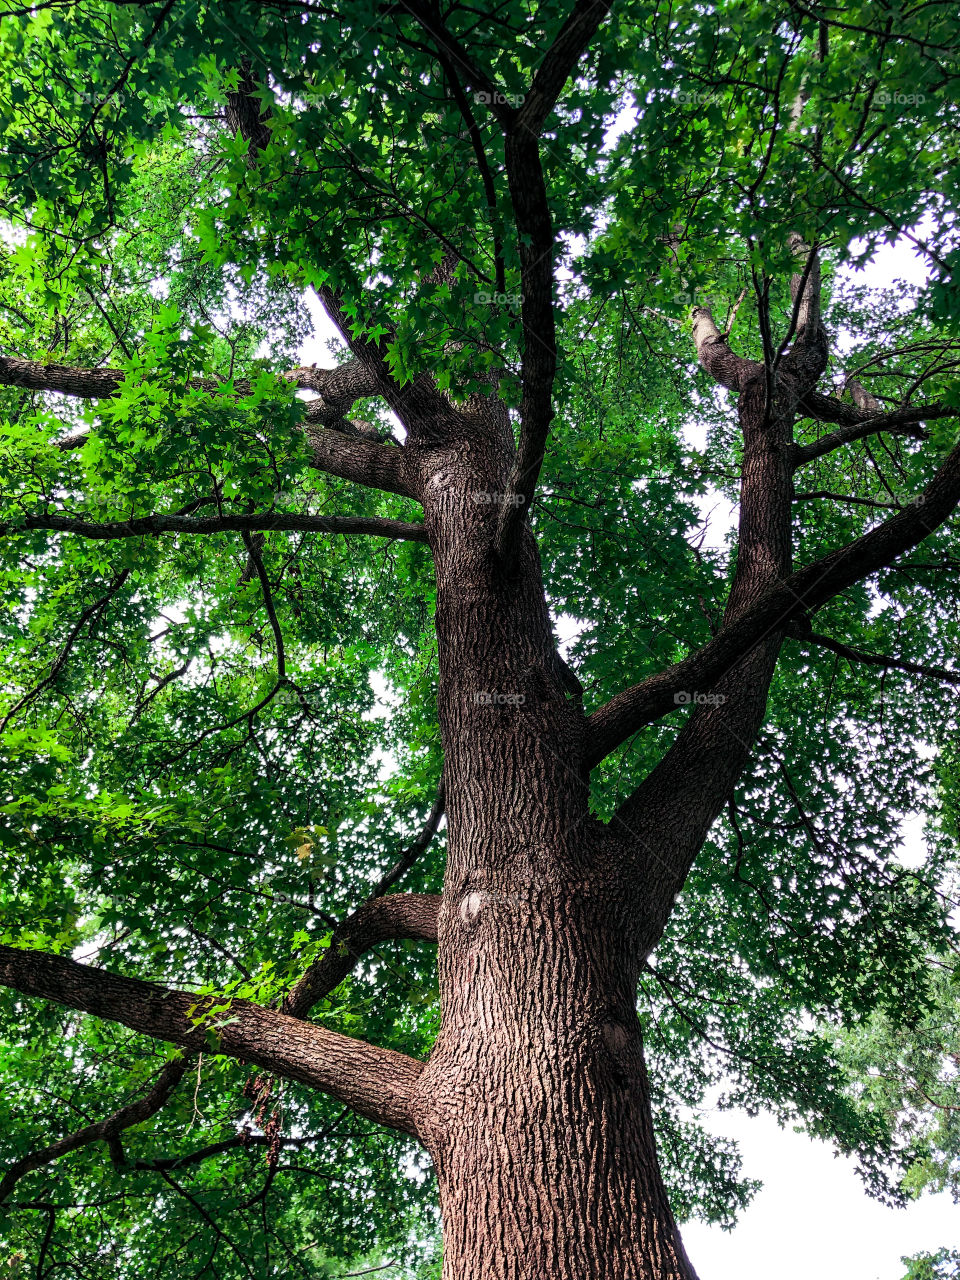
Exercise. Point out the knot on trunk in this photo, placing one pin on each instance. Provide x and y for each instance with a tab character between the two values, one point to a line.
471	905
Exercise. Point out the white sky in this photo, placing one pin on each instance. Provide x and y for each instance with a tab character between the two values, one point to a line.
812	1218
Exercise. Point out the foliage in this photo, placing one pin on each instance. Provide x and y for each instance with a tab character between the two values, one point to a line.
942	1265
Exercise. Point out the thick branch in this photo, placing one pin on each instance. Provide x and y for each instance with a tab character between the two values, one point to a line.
805	292
856	423
377	1083
803	590
375	466
340	386
246	114
32	375
427	414
535	240
810	350
723	365
337	446
152	526
669	814
400	915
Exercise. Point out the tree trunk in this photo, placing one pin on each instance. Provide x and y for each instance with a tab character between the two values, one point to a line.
534	1105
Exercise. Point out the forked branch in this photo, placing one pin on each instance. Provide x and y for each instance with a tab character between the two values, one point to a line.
803	590
337	447
106	1130
856	423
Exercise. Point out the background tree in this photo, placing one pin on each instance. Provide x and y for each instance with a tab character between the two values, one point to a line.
284	700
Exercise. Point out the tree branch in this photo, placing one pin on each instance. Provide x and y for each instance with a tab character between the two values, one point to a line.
338	447
103	1130
538	360
268	603
376	1083
339	387
667	816
451	49
416	847
399	915
59	662
32	375
375	466
240	1140
714	354
379	919
535	242
814	494
426	413
560	62
856	423
873	659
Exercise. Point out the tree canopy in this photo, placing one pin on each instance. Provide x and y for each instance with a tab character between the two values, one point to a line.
218	713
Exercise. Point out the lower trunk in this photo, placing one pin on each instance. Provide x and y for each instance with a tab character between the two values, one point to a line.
543	1183
535	1104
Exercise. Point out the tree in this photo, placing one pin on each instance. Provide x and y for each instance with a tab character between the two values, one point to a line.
271	656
